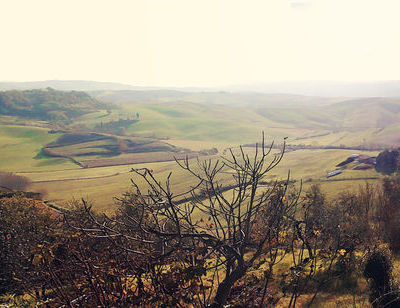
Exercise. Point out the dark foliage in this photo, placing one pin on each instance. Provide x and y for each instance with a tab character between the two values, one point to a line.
11	181
389	212
49	104
115	127
387	162
26	230
378	269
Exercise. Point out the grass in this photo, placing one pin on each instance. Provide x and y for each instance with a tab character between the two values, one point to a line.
102	184
192	121
348	138
238	118
135	158
101	188
21	149
196	122
95	150
65	181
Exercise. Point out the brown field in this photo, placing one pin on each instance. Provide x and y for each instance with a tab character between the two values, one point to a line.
137	158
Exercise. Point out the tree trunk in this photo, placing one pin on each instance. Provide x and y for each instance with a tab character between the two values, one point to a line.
224	288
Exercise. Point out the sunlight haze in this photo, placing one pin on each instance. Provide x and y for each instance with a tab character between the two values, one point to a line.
200	43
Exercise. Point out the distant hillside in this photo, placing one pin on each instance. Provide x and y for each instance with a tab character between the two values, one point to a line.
68	85
136	96
325	88
243	99
358	113
372	122
308	88
301	111
47	104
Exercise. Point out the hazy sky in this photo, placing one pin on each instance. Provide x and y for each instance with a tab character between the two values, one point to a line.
199	42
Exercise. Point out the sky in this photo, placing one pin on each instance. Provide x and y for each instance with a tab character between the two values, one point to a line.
199	42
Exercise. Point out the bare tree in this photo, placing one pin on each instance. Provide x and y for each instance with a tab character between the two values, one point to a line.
216	229
214	244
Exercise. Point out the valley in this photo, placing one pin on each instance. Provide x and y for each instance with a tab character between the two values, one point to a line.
91	155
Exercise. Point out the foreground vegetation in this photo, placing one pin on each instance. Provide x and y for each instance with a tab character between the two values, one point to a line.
258	243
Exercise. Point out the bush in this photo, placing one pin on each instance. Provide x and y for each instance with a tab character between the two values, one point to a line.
388	212
26	231
387	162
11	181
378	269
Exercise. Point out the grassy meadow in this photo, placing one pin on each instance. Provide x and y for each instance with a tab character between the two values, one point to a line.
21	150
193	122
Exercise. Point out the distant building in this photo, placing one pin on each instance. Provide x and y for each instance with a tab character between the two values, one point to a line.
333	173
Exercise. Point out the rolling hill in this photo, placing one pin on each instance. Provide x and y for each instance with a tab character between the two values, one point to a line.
48	104
115	131
236	116
389	88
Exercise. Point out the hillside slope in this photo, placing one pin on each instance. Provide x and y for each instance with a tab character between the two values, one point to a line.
48	104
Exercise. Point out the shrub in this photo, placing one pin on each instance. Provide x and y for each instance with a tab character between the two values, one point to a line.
11	181
26	231
388	212
378	270
387	162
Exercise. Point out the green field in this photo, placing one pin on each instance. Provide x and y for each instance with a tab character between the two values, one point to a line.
21	146
193	122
